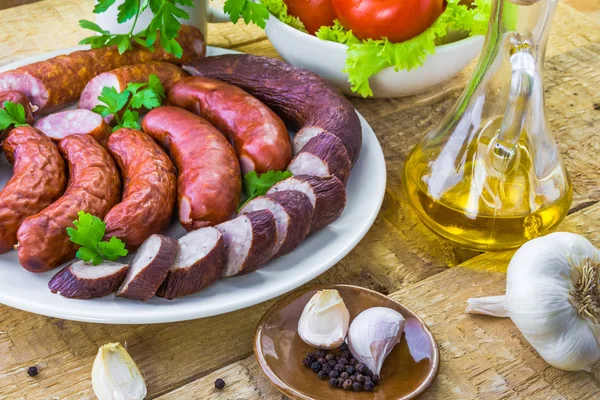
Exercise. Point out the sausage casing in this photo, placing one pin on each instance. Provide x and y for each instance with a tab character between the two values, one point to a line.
38	180
94	187
209	181
18	98
149	188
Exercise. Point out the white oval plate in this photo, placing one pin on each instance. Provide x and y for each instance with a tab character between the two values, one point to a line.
319	252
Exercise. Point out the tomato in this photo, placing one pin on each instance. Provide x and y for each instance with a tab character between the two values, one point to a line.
313	13
398	20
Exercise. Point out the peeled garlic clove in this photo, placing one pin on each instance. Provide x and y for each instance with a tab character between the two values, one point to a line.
115	376
324	321
373	334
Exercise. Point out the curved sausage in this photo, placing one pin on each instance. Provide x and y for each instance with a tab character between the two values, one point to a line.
209	182
18	98
94	187
59	125
258	135
119	79
306	101
149	188
53	83
38	180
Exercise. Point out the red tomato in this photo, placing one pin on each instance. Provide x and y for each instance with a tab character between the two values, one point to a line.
313	13
398	20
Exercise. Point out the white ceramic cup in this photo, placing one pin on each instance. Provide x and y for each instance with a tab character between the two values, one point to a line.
200	15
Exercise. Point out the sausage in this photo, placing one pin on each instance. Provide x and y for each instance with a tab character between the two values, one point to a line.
149	188
293	214
53	83
209	182
38	180
81	280
258	135
307	102
18	98
326	194
198	264
249	241
94	187
62	124
119	79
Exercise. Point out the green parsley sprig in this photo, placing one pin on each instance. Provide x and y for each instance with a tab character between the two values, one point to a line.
255	185
12	114
165	21
88	233
125	106
248	10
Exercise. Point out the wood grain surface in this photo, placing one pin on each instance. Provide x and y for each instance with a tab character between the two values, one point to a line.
482	358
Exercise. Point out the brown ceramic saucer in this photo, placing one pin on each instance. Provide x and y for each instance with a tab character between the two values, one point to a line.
407	372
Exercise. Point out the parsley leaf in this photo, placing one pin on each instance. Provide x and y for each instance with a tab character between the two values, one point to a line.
12	114
255	185
88	233
248	10
103	5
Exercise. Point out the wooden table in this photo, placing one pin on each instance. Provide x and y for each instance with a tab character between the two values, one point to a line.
482	358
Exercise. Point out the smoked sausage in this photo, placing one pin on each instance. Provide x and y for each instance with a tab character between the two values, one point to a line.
62	124
119	79
149	188
94	187
60	80
303	99
209	182
258	135
18	98
38	180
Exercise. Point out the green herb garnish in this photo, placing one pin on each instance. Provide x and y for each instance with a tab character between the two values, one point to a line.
255	185
256	13
88	233
12	114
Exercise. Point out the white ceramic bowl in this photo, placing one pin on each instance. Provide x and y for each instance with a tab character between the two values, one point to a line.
328	59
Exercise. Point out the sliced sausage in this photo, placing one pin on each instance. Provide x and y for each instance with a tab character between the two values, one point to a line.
38	180
198	264
293	214
94	187
306	101
249	241
53	83
62	124
323	155
18	98
149	268
119	79
326	194
81	280
209	181
149	188
259	136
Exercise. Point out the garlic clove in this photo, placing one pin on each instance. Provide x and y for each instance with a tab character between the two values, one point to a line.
324	320
115	376
373	334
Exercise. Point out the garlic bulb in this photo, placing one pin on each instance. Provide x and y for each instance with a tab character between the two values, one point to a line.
373	334
115	376
553	297
324	320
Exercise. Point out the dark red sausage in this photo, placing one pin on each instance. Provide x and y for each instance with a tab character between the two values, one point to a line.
71	122
149	188
306	101
55	82
94	187
209	181
38	180
259	136
18	98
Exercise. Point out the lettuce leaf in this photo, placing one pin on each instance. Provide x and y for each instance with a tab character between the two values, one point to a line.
280	11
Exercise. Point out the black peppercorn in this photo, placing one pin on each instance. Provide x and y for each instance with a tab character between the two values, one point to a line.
307	363
316	367
219	383
352	361
357	386
333	382
375	379
347	384
329	356
340	382
321	360
345	375
360	368
360	378
351	370
320	353
32	371
322	374
367	378
312	357
327	368
368	373
344	346
339	368
343	361
346	354
332	363
334	374
352	378
369	386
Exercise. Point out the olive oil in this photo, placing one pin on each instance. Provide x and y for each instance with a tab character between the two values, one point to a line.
480	207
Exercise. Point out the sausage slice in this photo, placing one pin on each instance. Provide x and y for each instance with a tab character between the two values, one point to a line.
62	124
94	187
38	180
149	188
81	280
293	214
249	241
